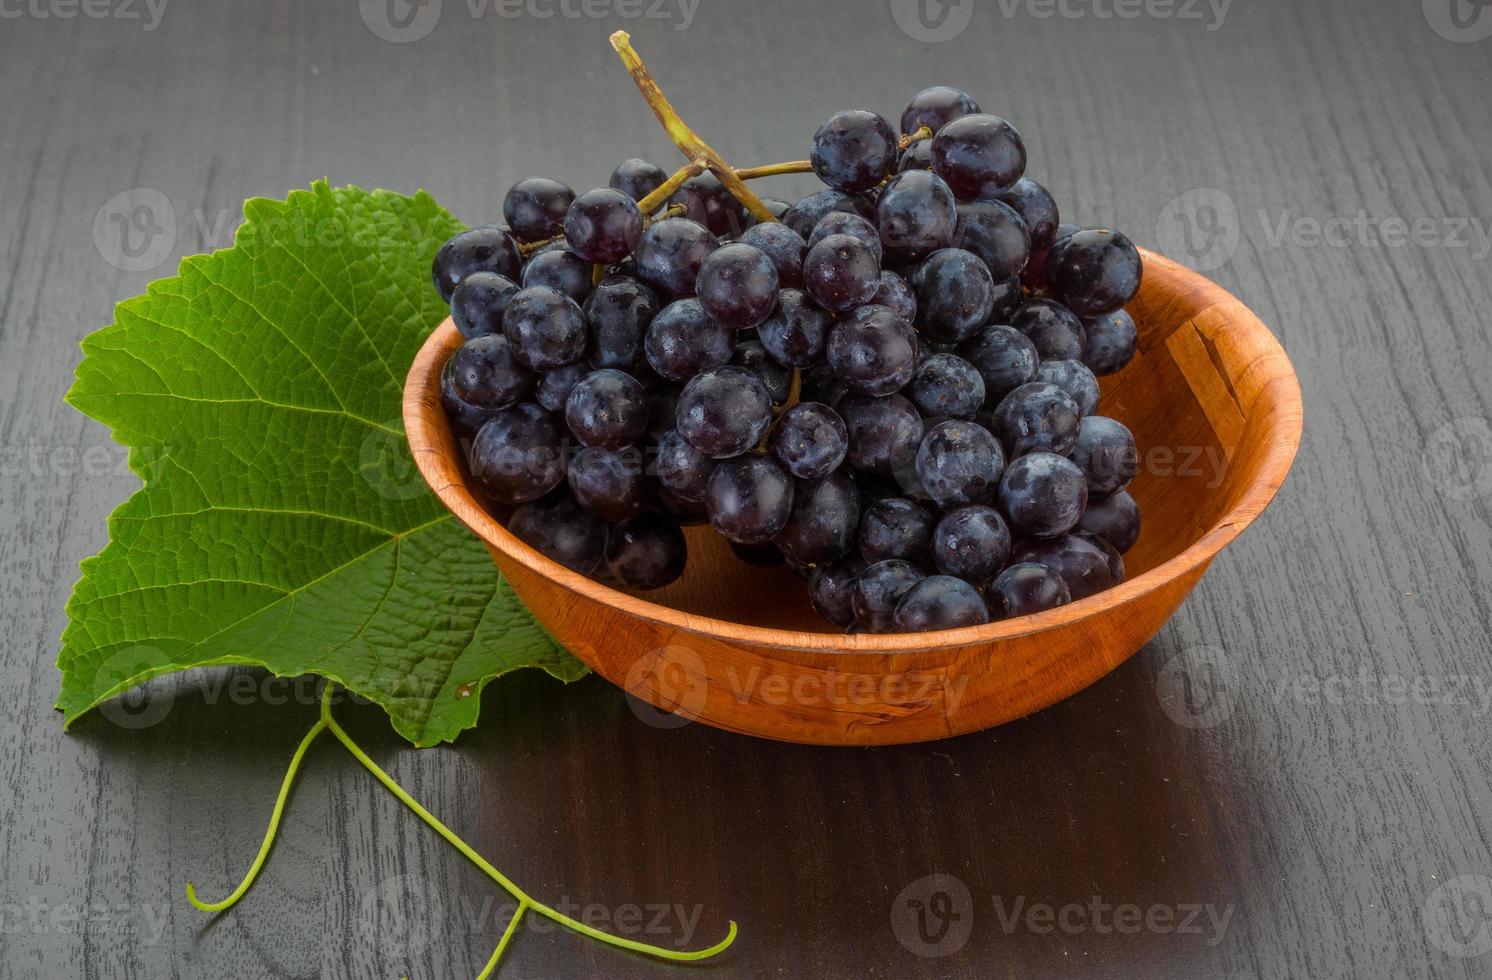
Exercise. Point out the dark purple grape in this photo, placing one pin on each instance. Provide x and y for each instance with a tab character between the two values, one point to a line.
810	440
1026	588
607	483
1111	343
607	409
1094	272
854	151
832	590
477	304
979	155
971	543
877	591
917	156
940	602
822	526
935	108
1115	518
1055	330
618	312
946	386
647	551
1037	208
896	294
783	246
765	555
841	273
554	386
1004	357
1082	564
559	269
749	498
737	285
1116	560
682	468
485	249
873	351
669	254
603	225
996	234
545	327
955	294
796	332
917	214
1074	378
844	223
724	412
637	178
518	455
1043	495
486	374
682	340
560	530
897	528
535	208
1036	417
959	463
710	204
464	416
884	433
803	216
751	355
1105	454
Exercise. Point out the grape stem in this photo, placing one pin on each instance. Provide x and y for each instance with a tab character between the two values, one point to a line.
526	903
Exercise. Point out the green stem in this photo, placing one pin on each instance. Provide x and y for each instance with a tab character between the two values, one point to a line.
502	945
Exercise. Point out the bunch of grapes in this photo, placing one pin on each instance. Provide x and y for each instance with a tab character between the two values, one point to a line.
891	388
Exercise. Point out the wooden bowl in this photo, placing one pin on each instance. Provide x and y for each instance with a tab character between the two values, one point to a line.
1215	409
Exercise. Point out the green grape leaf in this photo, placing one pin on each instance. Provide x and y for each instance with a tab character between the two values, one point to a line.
282	522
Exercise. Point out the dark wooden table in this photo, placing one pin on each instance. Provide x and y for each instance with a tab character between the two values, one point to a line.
1292	779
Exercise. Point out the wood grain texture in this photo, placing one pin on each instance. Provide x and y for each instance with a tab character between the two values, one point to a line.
1264	755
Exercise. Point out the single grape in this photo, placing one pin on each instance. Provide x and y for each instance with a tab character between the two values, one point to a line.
737	285
603	225
749	498
877	591
618	312
463	416
946	386
559	529
1026	588
917	214
607	483
1004	357
917	156
1116	560
959	463
810	440
486	374
554	386
1094	272
997	234
844	223
1037	208
1036	417
854	151
841	273
478	302
682	340
978	155
955	294
545	327
884	433
940	602
1043	495
1082	564
560	269
647	551
832	590
971	543
935	108
535	208
682	468
796	332
751	355
1111	343
873	351
783	246
897	528
822	525
518	455
710	204
1055	330
1074	378
1115	518
485	249
669	254
637	178
607	409
724	412
896	293
1105	454
803	216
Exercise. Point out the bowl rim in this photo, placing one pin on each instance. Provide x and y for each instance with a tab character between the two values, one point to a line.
424	420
